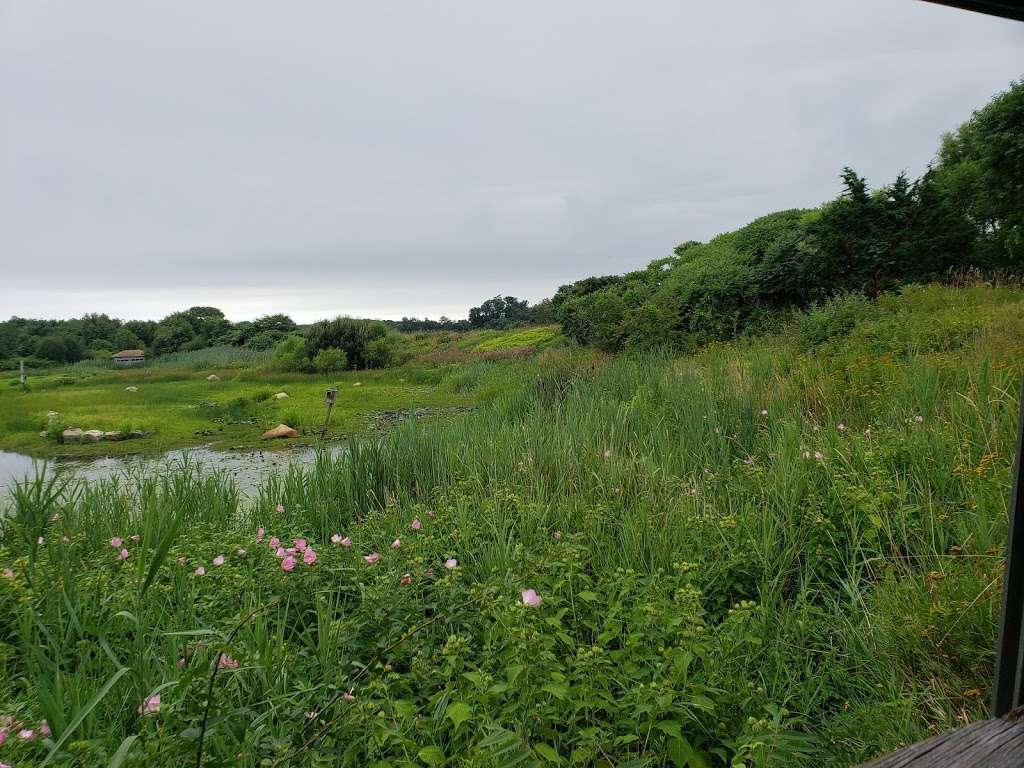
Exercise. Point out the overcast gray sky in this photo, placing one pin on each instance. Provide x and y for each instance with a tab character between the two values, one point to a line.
390	158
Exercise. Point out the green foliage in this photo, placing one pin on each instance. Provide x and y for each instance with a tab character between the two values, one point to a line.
329	360
728	576
366	343
290	355
963	212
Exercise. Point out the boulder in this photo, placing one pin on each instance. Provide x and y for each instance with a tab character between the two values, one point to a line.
136	434
280	431
281	396
358	384
71	435
114	436
213	377
92	435
131	389
51	415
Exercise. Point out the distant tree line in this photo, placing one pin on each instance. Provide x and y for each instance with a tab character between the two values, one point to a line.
965	211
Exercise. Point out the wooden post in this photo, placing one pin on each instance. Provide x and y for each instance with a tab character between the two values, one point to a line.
1009	673
23	375
330	396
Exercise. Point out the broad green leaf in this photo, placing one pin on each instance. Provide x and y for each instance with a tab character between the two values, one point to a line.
122	751
458	712
549	753
84	713
685	755
432	756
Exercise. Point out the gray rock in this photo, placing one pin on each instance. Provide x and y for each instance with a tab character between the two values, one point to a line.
281	396
136	434
131	389
114	436
213	377
92	435
71	435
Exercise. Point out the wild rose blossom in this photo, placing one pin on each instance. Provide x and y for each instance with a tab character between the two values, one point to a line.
406	579
150	705
335	538
300	544
280	509
396	544
123	554
416	524
226	662
451	563
200	571
240	552
260	533
371	558
274	542
309	556
346	542
288	564
280	552
218	560
116	542
531	598
135	537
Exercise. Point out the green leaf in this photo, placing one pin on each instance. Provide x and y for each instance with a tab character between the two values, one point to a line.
669	727
549	753
163	547
558	690
122	751
84	713
432	756
587	595
685	755
458	712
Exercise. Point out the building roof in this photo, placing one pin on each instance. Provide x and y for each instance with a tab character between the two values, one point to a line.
128	353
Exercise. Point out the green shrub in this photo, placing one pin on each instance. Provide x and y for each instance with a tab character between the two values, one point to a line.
330	360
290	355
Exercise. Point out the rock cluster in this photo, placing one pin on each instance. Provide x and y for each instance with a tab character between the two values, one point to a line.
76	435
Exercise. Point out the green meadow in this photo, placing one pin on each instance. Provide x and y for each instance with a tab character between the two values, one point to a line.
782	550
178	407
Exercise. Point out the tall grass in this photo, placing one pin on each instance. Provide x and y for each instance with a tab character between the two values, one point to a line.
780	551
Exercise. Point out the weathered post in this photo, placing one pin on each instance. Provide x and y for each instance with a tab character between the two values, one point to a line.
1010	650
22	377
330	396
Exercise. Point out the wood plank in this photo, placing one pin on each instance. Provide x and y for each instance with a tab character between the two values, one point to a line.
986	744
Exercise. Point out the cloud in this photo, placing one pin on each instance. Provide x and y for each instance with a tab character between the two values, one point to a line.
415	158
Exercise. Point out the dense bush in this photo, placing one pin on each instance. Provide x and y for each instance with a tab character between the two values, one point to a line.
964	211
330	360
366	343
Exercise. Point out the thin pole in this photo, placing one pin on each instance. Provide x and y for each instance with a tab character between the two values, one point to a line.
23	374
1010	650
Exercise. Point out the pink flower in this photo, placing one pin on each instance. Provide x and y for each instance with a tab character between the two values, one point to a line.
749	461
226	662
8	573
416	524
429	573
26	734
451	563
557	535
218	560
123	554
431	514
181	663
280	552
292	550
309	556
260	533
116	542
347	696
135	537
240	552
371	558
335	538
396	544
150	706
919	418
288	564
531	598
280	509
274	542
406	579
300	544
819	455
44	728
200	571
346	542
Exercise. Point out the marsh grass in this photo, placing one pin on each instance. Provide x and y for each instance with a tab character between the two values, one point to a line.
772	553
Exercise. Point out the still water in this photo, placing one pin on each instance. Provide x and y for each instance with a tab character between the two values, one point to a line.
248	469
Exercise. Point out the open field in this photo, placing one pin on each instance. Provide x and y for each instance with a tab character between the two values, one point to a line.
781	551
177	407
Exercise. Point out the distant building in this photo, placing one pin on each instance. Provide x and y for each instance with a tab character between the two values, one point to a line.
129	357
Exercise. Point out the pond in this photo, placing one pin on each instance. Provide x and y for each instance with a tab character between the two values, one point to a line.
247	468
